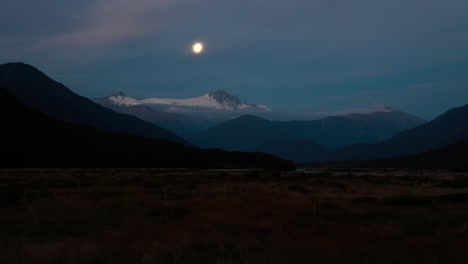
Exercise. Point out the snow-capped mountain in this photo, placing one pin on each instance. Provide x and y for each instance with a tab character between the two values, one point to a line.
182	115
119	99
216	100
219	100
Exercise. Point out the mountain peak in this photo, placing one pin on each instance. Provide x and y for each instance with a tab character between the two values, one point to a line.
18	65
216	100
222	97
120	93
119	98
15	70
230	102
39	92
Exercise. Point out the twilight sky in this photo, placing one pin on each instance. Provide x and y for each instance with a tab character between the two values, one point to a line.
291	55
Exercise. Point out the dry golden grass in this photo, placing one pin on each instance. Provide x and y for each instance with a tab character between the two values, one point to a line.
184	216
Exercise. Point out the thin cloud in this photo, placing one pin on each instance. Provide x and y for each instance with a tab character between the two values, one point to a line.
111	21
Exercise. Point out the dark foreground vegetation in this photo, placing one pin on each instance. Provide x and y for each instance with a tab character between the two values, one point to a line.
189	216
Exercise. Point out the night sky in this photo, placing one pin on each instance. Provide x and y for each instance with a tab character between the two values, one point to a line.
291	55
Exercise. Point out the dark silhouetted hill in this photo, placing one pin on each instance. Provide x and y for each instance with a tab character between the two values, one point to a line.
40	92
448	128
453	156
29	138
251	133
298	150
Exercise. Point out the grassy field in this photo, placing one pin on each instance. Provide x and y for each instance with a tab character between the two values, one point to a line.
186	216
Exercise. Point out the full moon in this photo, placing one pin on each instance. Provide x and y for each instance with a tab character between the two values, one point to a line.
197	48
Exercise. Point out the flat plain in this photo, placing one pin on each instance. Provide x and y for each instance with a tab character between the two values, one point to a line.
245	216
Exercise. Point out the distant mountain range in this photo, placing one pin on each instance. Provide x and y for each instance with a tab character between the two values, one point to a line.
39	92
175	122
40	115
304	140
446	129
29	138
182	115
215	100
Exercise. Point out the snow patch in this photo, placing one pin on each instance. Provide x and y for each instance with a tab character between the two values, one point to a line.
120	99
219	100
201	101
216	100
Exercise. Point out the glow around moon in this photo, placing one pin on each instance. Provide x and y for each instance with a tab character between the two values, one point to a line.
197	48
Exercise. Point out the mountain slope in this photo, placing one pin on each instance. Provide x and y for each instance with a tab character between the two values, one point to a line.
124	104
251	133
453	156
215	100
448	128
29	138
238	134
218	100
301	151
39	92
183	116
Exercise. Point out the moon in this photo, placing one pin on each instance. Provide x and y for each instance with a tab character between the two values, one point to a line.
197	48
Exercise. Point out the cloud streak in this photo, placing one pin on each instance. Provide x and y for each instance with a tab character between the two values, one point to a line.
111	21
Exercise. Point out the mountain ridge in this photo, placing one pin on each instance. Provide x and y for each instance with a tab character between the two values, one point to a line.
248	132
38	91
447	128
214	100
32	139
121	103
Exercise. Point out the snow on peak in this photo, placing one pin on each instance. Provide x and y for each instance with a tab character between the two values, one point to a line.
120	93
219	100
201	101
223	97
215	100
121	99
